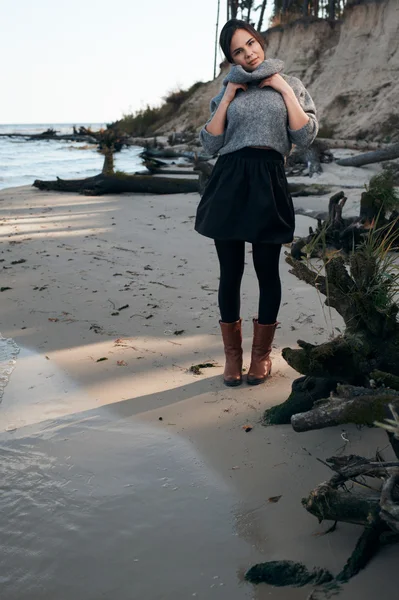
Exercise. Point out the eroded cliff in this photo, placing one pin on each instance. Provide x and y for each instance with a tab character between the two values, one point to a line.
350	67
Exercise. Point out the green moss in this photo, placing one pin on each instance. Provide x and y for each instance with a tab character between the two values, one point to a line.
382	191
281	414
370	411
282	573
389	380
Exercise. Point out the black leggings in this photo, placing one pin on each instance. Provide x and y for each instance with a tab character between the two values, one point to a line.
231	256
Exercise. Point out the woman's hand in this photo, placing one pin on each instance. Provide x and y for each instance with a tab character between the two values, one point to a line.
231	90
297	118
276	82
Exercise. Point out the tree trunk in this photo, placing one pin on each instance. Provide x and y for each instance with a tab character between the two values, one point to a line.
169	153
103	184
262	14
368	158
375	331
350	404
329	504
353	144
234	8
305	392
312	156
250	3
108	167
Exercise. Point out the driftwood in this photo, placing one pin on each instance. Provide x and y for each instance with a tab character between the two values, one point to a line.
377	511
352	144
337	232
368	158
328	501
350	404
305	392
310	158
169	153
119	184
90	139
182	171
366	354
109	182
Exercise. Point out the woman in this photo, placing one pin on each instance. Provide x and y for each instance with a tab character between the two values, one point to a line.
254	121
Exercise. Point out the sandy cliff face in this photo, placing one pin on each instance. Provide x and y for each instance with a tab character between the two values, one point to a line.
351	68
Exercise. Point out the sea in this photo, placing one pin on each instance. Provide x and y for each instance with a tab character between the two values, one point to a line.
22	161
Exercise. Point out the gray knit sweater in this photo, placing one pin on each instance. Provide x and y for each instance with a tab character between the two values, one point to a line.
258	116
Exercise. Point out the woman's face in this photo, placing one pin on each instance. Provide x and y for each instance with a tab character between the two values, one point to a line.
246	50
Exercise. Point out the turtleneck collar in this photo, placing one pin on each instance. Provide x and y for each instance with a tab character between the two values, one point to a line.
267	68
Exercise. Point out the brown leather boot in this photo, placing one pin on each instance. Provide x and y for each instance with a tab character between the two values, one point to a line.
232	340
261	364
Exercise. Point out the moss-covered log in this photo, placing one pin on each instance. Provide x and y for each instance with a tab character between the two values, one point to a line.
341	233
338	359
366	547
284	573
329	504
385	379
305	392
377	512
360	406
330	501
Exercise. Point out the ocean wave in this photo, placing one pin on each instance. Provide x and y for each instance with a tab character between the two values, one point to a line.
8	358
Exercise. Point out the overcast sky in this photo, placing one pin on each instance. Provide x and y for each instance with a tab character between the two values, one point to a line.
95	60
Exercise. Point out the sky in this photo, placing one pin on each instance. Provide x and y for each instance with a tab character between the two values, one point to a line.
92	61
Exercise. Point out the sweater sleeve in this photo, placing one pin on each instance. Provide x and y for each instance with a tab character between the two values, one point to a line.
305	136
212	143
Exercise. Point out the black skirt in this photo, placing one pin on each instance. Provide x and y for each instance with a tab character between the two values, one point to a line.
247	198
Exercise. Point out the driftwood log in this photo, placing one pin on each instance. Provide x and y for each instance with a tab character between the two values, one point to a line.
352	144
359	282
310	158
90	139
119	184
368	158
171	153
367	351
376	509
350	404
109	182
337	232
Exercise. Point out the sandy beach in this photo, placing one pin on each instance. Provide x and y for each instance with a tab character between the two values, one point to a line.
115	301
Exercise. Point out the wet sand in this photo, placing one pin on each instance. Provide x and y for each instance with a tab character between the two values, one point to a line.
127	418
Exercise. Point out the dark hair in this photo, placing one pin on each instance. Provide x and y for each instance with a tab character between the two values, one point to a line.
228	31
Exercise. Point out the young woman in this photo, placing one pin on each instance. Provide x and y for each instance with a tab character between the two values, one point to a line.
254	121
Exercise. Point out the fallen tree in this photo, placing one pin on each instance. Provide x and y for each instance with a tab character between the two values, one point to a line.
350	378
120	183
378	211
350	404
361	286
376	509
110	182
353	144
389	153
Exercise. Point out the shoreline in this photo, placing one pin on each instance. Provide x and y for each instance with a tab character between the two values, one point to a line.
85	258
